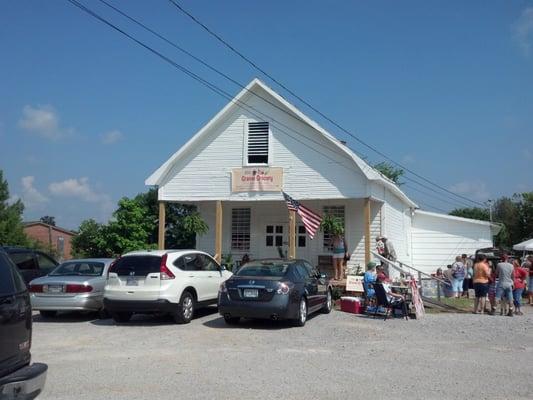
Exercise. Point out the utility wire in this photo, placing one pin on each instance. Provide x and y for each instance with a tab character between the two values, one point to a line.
234	81
211	86
431	195
261	70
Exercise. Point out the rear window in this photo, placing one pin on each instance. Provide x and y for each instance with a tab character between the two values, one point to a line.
7	285
24	261
85	268
276	269
139	265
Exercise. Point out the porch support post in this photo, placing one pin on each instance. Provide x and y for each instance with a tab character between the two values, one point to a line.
292	235
218	231
367	230
161	231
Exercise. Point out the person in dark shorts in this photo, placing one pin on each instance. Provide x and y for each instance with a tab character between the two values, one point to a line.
481	283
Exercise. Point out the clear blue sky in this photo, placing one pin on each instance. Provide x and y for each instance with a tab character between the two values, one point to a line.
86	115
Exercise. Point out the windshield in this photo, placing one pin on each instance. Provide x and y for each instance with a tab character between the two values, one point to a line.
79	268
264	268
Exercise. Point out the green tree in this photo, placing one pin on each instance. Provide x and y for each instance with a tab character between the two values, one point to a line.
473	212
47	219
390	171
11	227
89	242
130	228
182	221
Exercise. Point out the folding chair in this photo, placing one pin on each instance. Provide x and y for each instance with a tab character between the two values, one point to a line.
382	300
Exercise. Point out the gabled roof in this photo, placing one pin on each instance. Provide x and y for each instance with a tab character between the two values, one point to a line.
370	173
55	228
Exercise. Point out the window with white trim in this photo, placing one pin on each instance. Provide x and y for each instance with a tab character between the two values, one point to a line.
240	229
258	142
334	211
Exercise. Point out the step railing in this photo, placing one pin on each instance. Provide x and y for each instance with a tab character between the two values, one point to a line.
401	267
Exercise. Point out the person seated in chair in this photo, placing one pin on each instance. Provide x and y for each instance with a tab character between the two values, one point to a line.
381	276
394	298
368	279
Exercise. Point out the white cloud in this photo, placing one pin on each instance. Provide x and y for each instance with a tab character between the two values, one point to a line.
82	190
73	187
476	190
31	197
111	137
43	121
523	31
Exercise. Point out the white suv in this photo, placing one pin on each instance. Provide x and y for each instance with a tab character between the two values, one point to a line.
162	281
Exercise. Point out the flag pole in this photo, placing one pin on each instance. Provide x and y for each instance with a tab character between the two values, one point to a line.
292	235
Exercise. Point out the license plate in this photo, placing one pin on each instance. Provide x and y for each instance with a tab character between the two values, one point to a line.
250	293
131	282
55	289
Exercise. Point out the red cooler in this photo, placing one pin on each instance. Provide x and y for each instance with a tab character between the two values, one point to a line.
351	305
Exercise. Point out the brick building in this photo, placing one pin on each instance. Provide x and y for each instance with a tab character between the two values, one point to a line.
53	237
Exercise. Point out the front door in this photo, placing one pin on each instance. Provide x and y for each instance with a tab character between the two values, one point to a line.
276	240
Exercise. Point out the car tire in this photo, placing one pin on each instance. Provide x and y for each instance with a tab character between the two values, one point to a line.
328	306
121	316
231	320
103	314
48	313
302	313
185	309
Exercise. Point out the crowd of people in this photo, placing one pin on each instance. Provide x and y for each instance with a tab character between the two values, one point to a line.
503	283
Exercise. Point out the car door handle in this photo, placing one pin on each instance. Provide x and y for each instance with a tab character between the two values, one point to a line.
191	276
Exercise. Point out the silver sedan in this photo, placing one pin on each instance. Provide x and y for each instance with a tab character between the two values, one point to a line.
72	285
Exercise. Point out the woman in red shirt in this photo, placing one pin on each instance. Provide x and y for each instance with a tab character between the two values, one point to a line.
520	277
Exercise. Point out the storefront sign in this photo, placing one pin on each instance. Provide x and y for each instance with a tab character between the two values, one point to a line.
354	283
257	179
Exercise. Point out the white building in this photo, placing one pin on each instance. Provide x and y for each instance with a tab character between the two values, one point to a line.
235	167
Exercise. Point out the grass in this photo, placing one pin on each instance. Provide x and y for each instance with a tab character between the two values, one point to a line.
461	303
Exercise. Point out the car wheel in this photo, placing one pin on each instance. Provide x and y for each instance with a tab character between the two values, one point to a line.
302	313
121	316
329	303
48	313
102	314
185	311
231	320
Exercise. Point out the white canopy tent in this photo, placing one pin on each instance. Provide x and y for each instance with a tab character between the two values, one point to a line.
524	246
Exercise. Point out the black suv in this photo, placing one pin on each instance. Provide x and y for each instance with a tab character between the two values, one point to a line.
31	263
18	379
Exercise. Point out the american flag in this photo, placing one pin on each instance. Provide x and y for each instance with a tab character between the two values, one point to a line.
310	219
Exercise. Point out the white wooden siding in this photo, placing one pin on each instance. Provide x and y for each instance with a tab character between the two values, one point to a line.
309	161
396	220
276	213
437	240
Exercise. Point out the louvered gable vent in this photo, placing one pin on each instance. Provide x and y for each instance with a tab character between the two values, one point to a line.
258	142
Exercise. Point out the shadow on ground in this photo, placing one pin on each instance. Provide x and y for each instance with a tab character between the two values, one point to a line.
70	316
153	319
260	324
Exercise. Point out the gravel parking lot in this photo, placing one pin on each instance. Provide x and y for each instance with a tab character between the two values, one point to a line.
335	356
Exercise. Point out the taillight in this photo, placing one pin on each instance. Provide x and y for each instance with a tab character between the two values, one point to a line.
75	288
36	288
222	288
284	287
165	272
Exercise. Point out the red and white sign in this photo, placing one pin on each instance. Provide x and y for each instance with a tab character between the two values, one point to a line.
257	179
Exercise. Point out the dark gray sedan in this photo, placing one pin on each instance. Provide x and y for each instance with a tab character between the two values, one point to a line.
73	285
274	289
